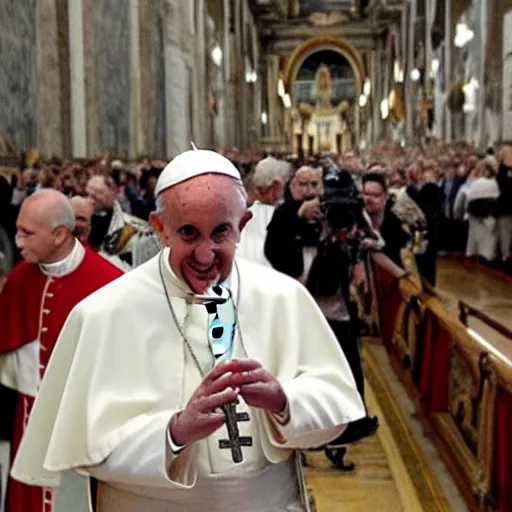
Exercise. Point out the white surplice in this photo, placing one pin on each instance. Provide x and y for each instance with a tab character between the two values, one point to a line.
120	371
252	239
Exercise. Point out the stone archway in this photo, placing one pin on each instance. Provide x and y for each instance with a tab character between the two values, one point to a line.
328	122
306	49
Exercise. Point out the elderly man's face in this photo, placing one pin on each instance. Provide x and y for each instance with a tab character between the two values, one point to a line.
35	237
101	195
83	208
305	185
201	222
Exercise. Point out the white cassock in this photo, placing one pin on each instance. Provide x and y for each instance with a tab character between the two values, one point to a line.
121	369
252	239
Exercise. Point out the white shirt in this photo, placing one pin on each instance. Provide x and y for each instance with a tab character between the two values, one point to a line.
252	240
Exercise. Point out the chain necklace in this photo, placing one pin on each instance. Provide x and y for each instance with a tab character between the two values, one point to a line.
180	328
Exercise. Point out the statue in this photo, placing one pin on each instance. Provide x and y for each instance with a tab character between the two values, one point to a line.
322	90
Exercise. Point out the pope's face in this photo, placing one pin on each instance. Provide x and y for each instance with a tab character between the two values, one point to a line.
201	222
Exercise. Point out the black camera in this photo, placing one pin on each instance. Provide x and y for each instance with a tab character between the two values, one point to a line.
341	202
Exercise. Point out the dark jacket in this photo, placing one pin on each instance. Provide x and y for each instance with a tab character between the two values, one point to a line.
393	234
504	179
450	193
287	235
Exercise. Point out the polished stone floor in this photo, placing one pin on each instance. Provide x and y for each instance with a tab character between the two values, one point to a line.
485	289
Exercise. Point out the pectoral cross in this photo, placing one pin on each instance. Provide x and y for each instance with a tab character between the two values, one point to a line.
235	442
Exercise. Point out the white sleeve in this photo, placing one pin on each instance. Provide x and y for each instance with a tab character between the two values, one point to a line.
146	458
309	413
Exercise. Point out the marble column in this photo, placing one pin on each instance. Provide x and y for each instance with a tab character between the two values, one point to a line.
91	96
257	86
50	91
273	98
232	71
198	73
136	141
77	73
150	32
239	78
177	78
481	101
410	96
448	42
377	87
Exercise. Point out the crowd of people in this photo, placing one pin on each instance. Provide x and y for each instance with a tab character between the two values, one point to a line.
314	220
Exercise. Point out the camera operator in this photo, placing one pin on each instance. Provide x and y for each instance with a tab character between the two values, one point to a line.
295	228
336	262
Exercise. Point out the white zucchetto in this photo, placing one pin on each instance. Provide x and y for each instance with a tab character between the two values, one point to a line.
194	163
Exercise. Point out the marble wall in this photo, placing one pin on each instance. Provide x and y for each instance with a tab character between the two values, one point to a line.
112	47
18	72
80	78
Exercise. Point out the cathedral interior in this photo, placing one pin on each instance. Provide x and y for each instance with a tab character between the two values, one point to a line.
85	82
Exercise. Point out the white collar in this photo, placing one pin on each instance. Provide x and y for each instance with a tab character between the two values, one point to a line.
67	265
177	287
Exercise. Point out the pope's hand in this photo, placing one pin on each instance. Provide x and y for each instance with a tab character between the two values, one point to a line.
202	416
258	387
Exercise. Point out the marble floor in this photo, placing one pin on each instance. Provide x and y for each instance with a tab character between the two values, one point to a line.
485	289
388	477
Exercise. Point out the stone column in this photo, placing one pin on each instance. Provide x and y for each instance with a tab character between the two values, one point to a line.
257	85
136	142
410	96
91	97
77	73
448	41
149	20
239	74
376	91
177	93
481	102
52	88
273	98
198	73
227	65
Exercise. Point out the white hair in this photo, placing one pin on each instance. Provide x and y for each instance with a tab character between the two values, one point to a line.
239	185
62	214
268	171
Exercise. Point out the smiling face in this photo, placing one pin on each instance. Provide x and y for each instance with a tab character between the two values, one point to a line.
201	220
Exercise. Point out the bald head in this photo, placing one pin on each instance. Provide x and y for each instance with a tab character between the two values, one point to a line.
305	185
45	227
52	207
83	208
102	192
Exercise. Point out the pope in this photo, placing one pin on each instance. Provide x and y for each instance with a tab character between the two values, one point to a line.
133	398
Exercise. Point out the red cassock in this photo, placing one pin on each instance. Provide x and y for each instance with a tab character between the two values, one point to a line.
34	306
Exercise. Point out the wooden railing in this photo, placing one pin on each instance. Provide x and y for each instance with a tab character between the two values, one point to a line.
465	311
463	391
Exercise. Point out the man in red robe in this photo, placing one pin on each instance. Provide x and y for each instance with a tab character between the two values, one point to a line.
56	274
